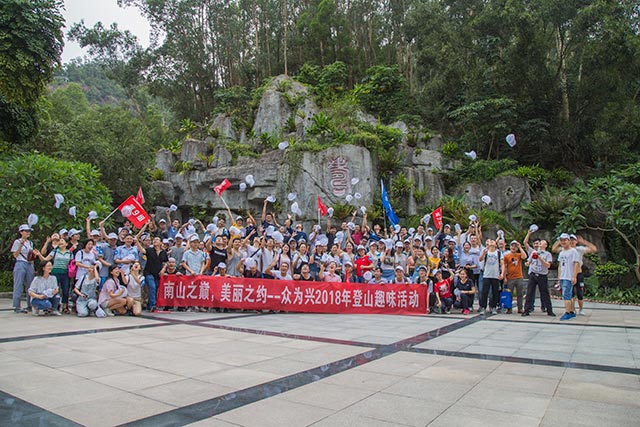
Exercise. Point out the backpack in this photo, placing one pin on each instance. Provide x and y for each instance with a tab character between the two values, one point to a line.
72	270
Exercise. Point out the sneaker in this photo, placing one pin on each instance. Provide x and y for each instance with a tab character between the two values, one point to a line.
109	312
551	313
465	312
509	311
581	312
573	314
566	316
525	313
494	311
20	310
56	313
482	311
35	311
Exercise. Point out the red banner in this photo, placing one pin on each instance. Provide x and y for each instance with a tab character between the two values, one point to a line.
437	218
322	208
290	295
138	216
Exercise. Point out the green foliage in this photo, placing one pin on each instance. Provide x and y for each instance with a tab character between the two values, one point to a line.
30	48
157	175
401	185
27	185
478	171
68	102
232	100
6	281
117	143
546	208
321	125
610	274
240	150
309	74
92	78
451	150
183	166
384	92
174	146
342	211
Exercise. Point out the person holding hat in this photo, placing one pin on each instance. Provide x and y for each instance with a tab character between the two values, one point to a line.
282	273
86	290
330	275
23	270
363	264
112	295
493	271
220	270
582	247
126	254
513	268
50	244
60	257
44	292
106	252
349	273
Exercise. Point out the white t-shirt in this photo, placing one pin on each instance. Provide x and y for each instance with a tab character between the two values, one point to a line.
566	261
581	250
491	269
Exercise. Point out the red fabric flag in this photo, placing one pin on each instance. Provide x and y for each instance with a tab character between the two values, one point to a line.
322	207
140	196
437	217
134	212
219	189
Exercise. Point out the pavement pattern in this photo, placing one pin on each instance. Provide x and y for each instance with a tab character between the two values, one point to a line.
293	369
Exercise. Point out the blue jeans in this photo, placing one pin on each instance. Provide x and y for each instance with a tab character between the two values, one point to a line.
567	289
47	303
23	274
63	282
152	289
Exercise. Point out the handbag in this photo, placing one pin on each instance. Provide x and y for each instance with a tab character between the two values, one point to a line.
72	270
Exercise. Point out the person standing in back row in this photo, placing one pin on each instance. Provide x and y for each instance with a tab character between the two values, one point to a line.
568	269
493	268
513	269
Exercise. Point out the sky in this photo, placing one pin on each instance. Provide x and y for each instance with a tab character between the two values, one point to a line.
106	11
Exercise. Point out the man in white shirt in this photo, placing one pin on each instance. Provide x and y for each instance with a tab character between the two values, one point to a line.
568	269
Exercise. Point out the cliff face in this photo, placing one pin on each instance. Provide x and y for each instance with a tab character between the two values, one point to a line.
334	174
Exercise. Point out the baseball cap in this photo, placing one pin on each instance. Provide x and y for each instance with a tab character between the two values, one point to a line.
399	244
429	238
95	233
398	267
513	242
194	238
179	236
63	231
222	265
165	241
564	236
573	236
436	271
24	227
361	247
112	236
73	232
162	220
422	267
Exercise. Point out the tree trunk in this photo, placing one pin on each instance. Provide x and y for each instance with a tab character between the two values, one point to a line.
286	68
560	46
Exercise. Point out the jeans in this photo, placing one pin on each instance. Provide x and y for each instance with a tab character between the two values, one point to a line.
23	274
47	303
152	289
63	282
567	289
86	305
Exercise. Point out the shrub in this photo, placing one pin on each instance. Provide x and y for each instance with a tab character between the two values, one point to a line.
451	150
157	175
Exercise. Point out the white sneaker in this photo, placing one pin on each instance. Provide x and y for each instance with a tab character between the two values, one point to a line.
494	311
109	312
35	311
56	313
581	312
481	311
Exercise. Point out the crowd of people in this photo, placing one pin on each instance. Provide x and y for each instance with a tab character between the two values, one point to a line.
108	273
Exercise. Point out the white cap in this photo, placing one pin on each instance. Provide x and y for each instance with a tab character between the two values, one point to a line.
222	265
63	231
95	233
194	238
112	236
73	232
564	236
179	236
399	267
399	244
24	227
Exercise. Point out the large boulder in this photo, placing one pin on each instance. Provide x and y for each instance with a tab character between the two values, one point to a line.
192	149
427	189
165	160
223	124
507	194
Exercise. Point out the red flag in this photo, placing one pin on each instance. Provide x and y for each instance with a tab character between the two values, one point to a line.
140	196
134	212
437	217
219	189
322	208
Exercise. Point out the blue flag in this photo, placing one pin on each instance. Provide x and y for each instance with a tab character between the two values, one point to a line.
386	204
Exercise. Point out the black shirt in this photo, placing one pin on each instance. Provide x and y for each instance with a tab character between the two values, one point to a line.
155	261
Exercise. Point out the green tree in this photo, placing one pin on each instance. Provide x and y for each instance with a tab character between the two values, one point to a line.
114	141
30	46
28	183
610	204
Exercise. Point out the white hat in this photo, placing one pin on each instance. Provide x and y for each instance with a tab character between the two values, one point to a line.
95	233
399	244
564	236
112	236
348	263
573	236
399	267
63	231
222	265
162	220
25	227
73	232
165	241
367	275
193	238
179	236
250	262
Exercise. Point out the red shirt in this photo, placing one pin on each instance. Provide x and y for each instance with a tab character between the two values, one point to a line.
444	288
362	262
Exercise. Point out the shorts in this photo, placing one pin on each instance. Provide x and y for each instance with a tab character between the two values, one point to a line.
567	289
578	288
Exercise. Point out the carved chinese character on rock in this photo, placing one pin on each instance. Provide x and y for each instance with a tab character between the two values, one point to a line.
340	176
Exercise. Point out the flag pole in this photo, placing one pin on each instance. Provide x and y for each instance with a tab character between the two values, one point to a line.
109	216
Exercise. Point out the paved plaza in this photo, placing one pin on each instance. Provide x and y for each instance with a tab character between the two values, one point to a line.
291	369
